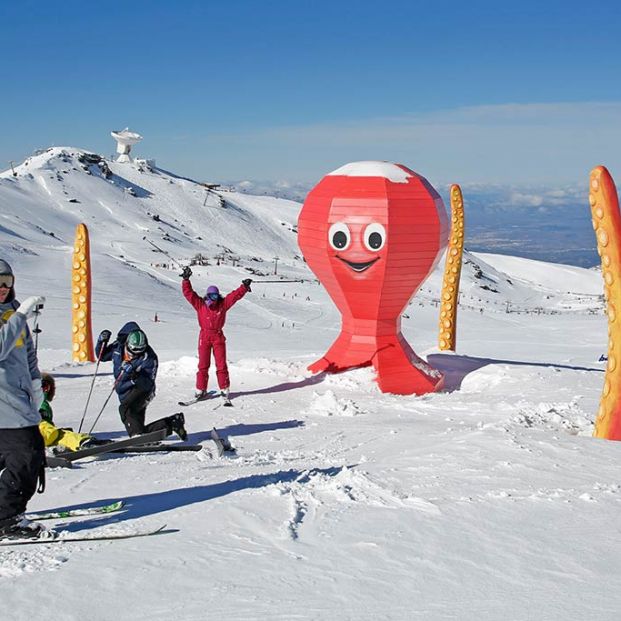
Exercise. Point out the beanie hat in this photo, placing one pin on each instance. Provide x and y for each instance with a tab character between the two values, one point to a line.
48	385
213	289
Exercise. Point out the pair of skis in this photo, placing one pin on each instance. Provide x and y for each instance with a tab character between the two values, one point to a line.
111	507
226	401
146	442
95	535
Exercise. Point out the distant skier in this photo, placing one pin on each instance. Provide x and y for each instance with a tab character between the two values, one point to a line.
211	313
22	455
135	369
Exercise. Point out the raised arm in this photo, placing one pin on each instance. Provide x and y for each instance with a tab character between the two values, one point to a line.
190	295
235	296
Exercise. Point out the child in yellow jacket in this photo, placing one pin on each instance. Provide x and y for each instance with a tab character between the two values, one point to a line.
52	435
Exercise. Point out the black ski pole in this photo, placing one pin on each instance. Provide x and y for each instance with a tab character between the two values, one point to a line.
163	252
276	281
103	407
36	330
90	392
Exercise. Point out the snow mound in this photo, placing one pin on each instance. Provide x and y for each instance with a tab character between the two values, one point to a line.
184	366
350	486
562	416
329	404
292	370
356	379
486	378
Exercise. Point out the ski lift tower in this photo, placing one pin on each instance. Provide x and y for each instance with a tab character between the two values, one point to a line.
125	140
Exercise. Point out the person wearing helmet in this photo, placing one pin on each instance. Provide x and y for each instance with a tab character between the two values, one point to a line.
135	368
211	313
22	454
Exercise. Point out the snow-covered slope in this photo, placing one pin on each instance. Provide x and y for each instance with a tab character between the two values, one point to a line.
487	501
130	209
63	186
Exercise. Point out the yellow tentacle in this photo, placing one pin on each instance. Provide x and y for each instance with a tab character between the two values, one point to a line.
82	341
452	272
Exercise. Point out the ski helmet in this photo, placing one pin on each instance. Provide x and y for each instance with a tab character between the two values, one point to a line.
48	385
5	270
136	342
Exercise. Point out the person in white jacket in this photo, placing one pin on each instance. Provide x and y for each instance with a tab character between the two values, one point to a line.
22	454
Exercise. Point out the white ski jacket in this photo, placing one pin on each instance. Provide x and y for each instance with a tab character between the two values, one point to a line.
18	367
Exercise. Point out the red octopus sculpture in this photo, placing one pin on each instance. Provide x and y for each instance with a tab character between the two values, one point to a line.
372	232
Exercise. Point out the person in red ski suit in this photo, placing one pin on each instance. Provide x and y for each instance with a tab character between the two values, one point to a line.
211	312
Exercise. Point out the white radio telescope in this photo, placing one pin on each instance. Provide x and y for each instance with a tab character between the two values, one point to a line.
124	142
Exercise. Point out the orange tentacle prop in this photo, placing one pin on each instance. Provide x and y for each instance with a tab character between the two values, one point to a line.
607	224
82	340
452	271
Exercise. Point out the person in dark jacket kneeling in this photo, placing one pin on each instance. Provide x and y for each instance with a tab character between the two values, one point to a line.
135	369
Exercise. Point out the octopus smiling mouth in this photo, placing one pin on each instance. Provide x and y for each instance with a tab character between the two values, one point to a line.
358	267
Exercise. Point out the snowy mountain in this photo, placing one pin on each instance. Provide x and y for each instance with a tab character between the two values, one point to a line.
57	189
489	500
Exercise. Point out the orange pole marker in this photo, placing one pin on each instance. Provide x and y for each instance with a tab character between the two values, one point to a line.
82	334
607	224
452	271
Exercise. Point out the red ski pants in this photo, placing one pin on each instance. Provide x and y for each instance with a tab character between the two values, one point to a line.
206	343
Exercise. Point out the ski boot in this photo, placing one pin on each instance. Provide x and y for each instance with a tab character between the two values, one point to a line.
226	399
20	527
177	423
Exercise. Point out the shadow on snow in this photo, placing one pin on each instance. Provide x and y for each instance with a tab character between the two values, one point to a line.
158	502
456	368
242	429
307	381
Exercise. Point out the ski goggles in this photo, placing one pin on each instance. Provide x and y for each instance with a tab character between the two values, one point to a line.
6	281
213	296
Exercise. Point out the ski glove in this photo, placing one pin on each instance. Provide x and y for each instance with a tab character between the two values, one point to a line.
186	273
127	368
37	393
31	305
104	336
246	282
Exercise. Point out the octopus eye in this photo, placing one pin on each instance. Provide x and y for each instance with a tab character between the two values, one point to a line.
339	236
374	237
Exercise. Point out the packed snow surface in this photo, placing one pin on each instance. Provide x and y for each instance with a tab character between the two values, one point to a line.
490	500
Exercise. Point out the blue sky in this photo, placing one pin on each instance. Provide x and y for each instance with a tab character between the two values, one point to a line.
485	92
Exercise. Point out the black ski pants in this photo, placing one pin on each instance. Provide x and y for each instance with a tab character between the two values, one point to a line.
133	410
22	460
